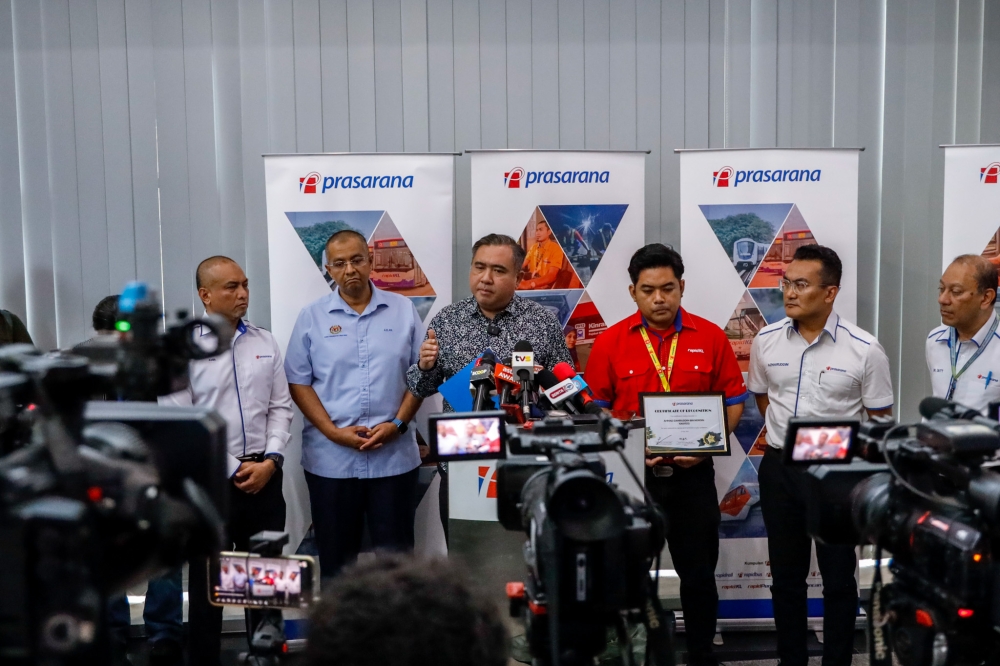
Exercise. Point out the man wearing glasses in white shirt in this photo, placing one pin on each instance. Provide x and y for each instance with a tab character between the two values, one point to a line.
816	364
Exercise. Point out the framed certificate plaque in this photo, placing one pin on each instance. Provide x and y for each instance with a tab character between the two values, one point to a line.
685	424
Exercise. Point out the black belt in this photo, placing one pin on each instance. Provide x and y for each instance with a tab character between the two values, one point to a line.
251	457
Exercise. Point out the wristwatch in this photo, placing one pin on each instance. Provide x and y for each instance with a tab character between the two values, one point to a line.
278	459
400	426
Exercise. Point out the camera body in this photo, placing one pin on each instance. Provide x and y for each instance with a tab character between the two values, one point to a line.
922	493
95	497
589	548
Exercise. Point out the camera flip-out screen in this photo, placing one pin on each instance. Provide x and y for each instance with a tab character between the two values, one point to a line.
467	436
814	441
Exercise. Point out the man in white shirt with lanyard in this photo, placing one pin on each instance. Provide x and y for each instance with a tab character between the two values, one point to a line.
963	354
813	363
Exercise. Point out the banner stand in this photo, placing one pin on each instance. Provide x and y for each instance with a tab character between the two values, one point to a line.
743	213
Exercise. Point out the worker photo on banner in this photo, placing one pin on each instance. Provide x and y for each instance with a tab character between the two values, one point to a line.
545	265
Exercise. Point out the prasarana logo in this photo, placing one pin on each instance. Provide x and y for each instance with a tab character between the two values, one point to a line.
335	329
988	174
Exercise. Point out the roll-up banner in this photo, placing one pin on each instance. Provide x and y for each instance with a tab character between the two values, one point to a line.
743	214
404	205
971	202
583	211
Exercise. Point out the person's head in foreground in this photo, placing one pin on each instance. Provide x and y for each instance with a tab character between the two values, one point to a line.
400	611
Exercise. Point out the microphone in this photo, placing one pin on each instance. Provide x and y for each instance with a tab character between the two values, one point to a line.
506	381
523	365
558	393
482	383
936	409
580	395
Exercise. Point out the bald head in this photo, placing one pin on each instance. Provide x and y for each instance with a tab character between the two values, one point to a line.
223	288
205	272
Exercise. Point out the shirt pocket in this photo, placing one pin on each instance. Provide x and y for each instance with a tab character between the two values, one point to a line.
838	386
692	372
632	376
260	377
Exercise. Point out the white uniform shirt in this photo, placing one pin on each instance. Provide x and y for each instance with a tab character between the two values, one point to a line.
239	580
294	585
280	584
226	580
979	385
247	387
842	372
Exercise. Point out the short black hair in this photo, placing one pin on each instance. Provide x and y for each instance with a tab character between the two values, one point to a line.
343	233
106	313
500	240
832	268
986	273
655	255
396	609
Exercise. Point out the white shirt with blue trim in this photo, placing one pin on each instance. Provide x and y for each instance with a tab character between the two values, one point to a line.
979	385
246	385
840	374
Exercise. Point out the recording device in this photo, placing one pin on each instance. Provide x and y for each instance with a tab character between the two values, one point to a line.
590	546
922	492
482	383
89	502
571	392
459	436
523	365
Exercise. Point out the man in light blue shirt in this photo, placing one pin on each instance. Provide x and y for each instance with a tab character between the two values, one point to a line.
346	367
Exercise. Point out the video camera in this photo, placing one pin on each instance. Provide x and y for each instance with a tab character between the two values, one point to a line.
924	492
590	546
97	496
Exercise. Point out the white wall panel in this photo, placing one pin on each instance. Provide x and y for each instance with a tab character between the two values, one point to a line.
12	277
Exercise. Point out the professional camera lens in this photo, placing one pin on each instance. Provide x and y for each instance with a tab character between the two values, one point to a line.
586	508
870	505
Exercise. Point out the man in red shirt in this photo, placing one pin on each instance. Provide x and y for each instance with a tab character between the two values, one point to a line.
694	356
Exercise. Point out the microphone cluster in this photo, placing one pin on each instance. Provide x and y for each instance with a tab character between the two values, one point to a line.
525	389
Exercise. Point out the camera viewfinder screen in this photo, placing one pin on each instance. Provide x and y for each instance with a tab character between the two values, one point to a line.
469	436
262	581
821	443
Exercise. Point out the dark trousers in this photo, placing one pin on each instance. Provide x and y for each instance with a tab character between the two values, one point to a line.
248	514
340	507
691	504
782	501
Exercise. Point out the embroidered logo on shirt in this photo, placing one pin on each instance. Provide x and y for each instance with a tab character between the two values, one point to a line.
697	351
833	369
781	365
335	329
260	356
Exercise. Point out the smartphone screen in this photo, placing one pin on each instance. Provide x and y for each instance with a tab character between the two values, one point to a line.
246	579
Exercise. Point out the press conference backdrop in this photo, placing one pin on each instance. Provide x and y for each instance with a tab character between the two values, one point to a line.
131	131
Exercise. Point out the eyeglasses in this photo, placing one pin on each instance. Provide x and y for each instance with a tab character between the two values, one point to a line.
356	262
796	287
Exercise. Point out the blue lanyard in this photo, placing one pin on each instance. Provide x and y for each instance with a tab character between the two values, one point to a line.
953	348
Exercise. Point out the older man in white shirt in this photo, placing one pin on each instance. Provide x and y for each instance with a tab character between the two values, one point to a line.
963	354
247	387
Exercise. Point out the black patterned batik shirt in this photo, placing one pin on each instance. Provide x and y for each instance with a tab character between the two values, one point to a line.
461	330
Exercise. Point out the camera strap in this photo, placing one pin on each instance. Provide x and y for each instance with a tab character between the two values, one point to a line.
880	651
659	632
954	344
664	373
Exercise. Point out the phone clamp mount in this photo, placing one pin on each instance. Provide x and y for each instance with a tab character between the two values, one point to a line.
268	645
